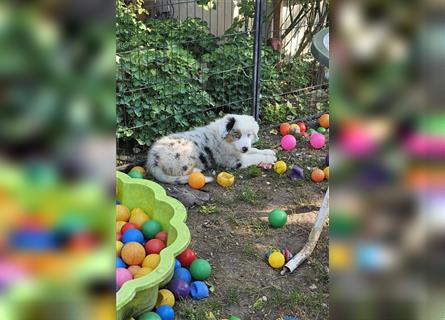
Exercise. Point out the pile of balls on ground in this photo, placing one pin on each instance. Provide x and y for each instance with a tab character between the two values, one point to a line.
188	281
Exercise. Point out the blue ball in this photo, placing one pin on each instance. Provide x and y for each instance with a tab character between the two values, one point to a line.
118	202
166	312
120	263
199	290
183	274
132	235
177	264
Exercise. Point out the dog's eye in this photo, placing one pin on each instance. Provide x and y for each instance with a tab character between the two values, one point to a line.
237	135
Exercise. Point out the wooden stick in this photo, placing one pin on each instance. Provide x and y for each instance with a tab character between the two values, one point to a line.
304	253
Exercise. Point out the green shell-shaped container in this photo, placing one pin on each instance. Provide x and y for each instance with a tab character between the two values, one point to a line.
140	295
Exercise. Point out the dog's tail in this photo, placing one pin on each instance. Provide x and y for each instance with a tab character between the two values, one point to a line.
160	175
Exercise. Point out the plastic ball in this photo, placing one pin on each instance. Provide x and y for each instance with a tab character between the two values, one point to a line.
151	261
183	274
177	264
280	167
326	173
326	160
317	175
225	179
138	217
154	246
294	129
296	173
196	180
321	130
180	288
119	225
187	257
133	253
302	126
276	260
122	276
149	316
162	236
138	168
133	269
284	128
132	235
200	269
120	263
277	218
135	174
166	312
234	318
150	229
317	140
199	290
118	236
324	120
142	272
119	246
288	142
128	226
165	297
311	130
122	213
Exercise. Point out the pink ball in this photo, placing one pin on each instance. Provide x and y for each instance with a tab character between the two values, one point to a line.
122	276
317	140
288	142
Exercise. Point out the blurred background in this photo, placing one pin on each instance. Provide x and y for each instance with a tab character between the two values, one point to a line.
387	218
57	120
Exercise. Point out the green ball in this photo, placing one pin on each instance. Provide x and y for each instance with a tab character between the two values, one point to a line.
149	316
311	131
234	318
135	174
321	129
150	229
200	269
277	218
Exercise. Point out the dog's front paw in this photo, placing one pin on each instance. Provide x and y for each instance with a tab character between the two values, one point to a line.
270	158
269	152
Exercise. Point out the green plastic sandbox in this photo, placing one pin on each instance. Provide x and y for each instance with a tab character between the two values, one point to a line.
140	295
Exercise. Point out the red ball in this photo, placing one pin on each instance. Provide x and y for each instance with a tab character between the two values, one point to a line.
302	126
154	246
162	236
187	257
127	226
118	236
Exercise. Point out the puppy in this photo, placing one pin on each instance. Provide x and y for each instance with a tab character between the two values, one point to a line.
226	142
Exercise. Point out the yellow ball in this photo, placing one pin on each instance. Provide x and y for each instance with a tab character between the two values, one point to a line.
142	272
138	217
276	260
151	261
225	179
139	169
119	225
122	213
119	246
326	173
165	296
280	167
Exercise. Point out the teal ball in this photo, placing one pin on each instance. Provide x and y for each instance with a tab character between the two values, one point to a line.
150	229
149	316
135	174
200	269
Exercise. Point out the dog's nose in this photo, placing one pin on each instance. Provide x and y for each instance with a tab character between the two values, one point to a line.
245	149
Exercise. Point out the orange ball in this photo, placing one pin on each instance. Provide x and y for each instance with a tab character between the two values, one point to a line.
284	128
324	120
119	226
122	213
133	269
317	175
138	217
133	253
197	180
326	173
142	272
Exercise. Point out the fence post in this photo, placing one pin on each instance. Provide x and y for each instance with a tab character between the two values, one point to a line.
257	59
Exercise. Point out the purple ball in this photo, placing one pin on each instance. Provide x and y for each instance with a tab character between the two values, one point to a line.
296	173
180	288
326	160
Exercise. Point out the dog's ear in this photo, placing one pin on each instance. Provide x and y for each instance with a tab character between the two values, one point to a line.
227	126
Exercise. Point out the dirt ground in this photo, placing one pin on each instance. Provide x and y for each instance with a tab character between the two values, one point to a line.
232	232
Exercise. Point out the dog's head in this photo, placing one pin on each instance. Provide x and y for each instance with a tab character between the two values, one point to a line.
240	131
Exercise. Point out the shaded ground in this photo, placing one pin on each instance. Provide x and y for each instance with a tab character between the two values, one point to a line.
231	231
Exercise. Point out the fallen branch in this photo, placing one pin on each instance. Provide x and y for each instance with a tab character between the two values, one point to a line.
304	253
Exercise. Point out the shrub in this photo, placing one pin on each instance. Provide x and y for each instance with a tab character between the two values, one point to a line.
128	27
159	92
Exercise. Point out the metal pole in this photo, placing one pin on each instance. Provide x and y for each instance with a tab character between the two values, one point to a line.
257	59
